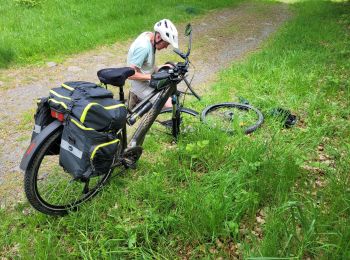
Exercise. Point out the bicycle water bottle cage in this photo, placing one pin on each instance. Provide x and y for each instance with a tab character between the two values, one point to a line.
115	76
160	80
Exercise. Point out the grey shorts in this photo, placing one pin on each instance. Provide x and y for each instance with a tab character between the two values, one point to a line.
133	100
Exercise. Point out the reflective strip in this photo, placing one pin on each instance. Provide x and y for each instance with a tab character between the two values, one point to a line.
67	87
37	129
102	145
57	102
70	148
114	106
83	115
80	126
86	109
58	95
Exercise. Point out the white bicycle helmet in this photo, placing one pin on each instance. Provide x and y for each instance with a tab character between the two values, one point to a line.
168	32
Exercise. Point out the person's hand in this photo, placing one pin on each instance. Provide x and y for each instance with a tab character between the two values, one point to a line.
168	65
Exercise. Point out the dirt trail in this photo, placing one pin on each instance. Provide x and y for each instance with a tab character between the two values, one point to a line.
219	38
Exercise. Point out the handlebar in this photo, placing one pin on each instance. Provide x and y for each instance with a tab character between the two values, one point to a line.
181	68
178	52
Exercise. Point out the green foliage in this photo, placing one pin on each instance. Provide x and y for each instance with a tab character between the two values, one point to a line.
28	3
50	29
7	55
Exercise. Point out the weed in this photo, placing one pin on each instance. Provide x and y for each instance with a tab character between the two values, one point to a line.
45	25
27	120
7	55
28	3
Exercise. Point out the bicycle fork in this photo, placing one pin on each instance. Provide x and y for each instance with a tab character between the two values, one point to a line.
175	117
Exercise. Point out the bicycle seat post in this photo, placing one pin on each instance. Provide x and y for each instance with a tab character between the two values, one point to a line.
121	94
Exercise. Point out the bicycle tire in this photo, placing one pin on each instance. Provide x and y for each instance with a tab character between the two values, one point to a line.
32	180
165	117
230	105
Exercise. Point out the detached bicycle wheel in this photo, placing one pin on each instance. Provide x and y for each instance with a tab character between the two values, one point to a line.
51	190
232	117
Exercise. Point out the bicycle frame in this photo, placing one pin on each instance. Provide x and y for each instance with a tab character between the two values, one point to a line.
149	117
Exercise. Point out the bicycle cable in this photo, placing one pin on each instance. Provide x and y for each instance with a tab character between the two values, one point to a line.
185	92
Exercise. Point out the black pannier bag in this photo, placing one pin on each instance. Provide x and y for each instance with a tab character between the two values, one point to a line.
100	114
85	152
61	98
42	117
92	119
91	104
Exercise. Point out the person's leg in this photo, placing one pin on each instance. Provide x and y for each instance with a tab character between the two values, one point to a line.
168	103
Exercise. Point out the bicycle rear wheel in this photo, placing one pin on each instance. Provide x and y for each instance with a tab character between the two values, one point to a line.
232	117
51	190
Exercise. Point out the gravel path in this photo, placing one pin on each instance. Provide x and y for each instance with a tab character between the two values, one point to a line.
220	38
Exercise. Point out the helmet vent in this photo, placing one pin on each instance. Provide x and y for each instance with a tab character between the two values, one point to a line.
167	32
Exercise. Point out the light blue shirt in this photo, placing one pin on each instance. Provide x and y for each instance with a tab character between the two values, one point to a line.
141	55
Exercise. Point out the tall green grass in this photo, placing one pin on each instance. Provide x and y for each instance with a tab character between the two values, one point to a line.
276	193
38	30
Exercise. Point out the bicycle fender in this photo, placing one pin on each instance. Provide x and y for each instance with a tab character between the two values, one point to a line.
37	142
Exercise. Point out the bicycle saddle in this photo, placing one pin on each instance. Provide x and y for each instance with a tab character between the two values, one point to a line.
115	76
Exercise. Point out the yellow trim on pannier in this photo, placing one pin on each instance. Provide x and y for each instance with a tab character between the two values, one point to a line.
102	145
67	87
57	102
80	126
86	109
58	95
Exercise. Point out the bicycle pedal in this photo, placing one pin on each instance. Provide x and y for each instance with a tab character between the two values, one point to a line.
129	164
131	156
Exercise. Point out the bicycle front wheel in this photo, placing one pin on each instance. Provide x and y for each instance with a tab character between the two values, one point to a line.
187	121
232	117
51	190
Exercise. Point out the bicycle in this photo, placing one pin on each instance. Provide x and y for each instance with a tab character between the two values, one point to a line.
50	190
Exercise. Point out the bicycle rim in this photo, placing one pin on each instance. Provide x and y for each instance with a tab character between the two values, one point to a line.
232	117
50	189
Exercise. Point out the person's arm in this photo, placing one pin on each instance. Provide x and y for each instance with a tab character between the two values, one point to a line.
138	74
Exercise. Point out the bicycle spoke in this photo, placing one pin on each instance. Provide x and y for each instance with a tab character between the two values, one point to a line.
50	189
232	117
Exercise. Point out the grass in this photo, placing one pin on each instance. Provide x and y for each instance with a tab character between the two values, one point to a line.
276	193
26	120
68	27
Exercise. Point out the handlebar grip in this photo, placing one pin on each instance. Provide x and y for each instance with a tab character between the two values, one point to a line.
178	52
